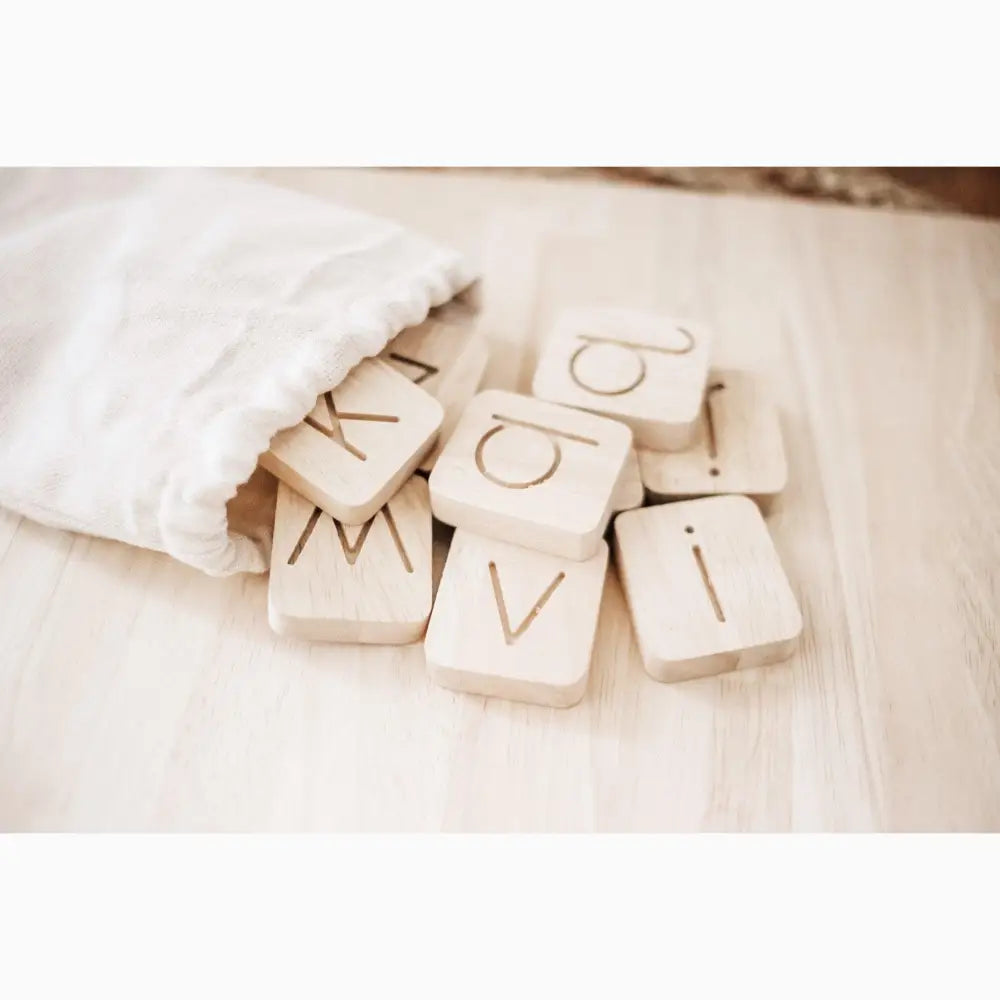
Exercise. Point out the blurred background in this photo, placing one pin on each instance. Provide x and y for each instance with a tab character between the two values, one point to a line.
966	190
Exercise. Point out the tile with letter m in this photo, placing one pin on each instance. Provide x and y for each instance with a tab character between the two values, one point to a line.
344	583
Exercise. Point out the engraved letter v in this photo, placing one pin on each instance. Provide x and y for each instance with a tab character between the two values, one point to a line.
512	637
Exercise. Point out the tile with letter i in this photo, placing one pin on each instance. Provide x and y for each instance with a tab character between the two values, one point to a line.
512	623
447	360
531	473
705	588
341	583
359	444
737	447
642	368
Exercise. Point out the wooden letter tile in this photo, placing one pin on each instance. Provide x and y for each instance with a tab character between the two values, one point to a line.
645	369
532	473
359	444
629	493
737	447
705	587
514	623
446	359
340	583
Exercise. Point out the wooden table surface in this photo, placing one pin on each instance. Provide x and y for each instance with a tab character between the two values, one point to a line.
137	694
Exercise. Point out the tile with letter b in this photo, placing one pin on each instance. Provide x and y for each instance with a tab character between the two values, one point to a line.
341	583
737	446
705	588
514	623
447	360
531	473
642	368
359	444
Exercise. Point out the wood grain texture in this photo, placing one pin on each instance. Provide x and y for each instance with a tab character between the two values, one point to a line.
138	694
705	588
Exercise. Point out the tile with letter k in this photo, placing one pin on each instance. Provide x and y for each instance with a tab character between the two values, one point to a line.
359	444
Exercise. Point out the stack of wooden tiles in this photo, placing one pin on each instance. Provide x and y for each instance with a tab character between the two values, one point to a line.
351	555
625	412
704	584
530	487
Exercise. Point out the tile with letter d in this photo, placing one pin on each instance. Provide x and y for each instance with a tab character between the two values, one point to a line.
737	446
531	473
705	588
447	360
341	583
642	368
359	444
513	623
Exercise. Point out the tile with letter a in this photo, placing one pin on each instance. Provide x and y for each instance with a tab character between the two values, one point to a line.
342	583
447	360
531	473
359	444
642	368
513	623
705	588
737	447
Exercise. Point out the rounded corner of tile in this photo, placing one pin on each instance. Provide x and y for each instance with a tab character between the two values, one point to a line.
281	624
626	517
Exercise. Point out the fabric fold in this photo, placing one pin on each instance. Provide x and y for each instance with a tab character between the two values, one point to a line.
157	328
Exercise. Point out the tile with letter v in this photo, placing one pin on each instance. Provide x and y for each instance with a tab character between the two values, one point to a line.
705	588
344	583
513	623
642	368
447	360
737	447
359	444
532	473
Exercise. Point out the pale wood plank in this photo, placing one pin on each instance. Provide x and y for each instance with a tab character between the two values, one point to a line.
137	694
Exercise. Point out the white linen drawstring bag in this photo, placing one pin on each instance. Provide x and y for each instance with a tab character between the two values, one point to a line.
157	328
